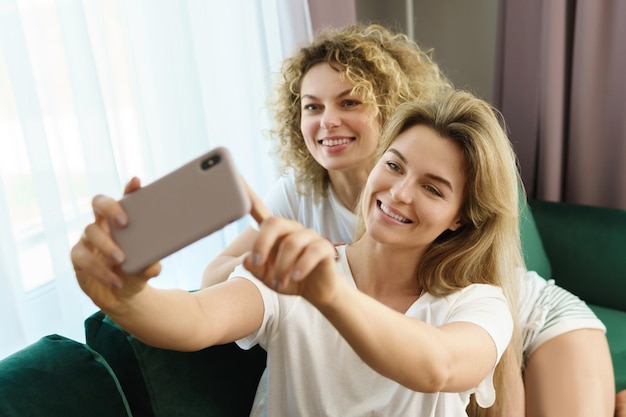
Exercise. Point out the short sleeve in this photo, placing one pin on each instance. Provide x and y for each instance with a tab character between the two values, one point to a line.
485	306
271	309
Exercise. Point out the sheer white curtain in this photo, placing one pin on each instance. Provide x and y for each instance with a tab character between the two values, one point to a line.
93	92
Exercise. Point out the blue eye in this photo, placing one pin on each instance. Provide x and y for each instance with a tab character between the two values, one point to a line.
393	166
310	107
433	190
351	103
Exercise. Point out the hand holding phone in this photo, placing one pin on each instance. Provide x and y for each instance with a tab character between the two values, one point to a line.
195	200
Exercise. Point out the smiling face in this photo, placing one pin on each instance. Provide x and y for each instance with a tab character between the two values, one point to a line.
339	129
415	191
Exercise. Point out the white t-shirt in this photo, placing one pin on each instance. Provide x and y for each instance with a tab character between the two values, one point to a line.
312	371
328	216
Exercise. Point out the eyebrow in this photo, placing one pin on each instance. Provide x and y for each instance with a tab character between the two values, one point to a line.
433	177
342	94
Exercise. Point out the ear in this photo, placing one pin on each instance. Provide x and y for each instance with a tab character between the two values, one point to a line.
456	223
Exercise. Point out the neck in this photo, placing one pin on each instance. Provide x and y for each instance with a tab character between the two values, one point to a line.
384	271
348	184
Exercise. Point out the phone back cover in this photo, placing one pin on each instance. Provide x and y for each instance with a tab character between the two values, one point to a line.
179	209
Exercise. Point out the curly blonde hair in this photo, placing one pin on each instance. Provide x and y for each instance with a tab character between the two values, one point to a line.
385	68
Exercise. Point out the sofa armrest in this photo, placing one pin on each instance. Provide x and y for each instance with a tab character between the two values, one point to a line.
586	246
217	381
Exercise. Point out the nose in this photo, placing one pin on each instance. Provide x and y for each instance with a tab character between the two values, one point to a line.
330	119
402	191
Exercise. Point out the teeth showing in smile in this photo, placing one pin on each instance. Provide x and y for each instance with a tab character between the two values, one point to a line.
334	142
394	216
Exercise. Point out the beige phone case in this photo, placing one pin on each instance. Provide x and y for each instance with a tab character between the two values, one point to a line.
180	208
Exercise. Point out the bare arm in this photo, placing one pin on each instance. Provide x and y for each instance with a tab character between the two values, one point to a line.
220	268
173	319
452	357
180	320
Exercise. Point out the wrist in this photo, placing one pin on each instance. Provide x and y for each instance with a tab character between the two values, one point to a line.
330	300
128	300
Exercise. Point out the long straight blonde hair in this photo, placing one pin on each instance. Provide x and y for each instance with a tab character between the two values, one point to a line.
486	249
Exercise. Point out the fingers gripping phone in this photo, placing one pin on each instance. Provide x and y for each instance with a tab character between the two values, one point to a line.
195	200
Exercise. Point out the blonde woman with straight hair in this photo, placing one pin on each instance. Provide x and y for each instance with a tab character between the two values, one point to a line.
490	249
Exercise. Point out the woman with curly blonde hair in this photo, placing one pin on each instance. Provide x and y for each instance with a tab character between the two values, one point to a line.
384	70
332	98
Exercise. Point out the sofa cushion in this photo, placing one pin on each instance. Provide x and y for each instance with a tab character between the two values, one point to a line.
217	381
534	253
56	376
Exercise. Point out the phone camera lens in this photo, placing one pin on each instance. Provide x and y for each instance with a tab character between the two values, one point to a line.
210	162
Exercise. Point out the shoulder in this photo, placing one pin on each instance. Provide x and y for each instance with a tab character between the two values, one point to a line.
480	298
283	199
482	304
486	306
481	291
284	184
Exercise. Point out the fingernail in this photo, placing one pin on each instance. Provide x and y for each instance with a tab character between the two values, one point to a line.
117	284
120	220
256	259
276	284
295	275
117	256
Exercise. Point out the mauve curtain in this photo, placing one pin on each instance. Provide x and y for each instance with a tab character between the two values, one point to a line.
561	85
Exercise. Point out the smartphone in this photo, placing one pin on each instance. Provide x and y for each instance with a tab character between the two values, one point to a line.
195	200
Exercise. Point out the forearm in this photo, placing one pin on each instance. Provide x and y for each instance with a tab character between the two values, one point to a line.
168	319
417	355
189	321
220	268
383	338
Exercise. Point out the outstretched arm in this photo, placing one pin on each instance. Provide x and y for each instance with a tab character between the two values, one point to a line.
172	319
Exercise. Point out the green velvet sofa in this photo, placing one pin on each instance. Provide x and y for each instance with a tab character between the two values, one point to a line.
114	374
